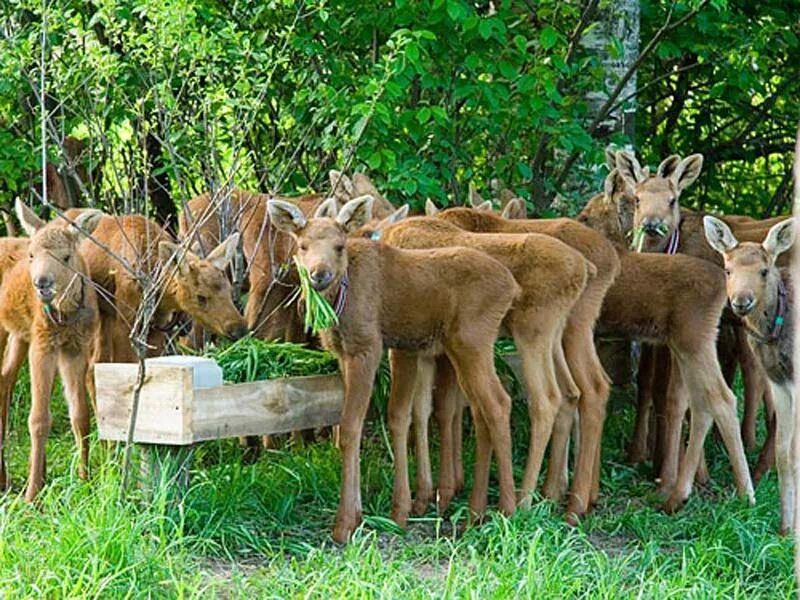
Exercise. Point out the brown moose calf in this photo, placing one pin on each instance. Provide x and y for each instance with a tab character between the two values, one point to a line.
429	302
763	297
48	311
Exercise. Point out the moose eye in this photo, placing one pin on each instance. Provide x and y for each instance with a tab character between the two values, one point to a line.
339	248
764	273
636	201
672	202
303	247
66	258
727	272
202	301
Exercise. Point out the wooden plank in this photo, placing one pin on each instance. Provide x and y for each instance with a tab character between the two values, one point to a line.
172	413
267	407
162	418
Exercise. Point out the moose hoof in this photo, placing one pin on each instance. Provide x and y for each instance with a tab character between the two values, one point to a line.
672	505
400	516
420	506
443	500
344	528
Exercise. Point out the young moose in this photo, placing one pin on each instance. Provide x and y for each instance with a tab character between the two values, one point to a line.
49	312
429	302
761	295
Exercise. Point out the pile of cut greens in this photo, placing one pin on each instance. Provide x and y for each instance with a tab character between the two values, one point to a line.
250	359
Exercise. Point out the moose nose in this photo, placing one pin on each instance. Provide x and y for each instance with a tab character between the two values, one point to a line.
743	305
237	332
652	226
321	279
43	282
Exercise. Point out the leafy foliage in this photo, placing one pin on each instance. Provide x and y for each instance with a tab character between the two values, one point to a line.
176	97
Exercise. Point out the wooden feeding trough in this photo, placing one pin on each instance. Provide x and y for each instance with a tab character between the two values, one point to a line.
183	401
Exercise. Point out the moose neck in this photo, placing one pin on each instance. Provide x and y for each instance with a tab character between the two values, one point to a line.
767	324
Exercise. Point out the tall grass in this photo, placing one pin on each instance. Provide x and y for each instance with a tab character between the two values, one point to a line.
262	530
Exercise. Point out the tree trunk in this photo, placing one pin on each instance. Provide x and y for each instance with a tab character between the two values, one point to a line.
158	184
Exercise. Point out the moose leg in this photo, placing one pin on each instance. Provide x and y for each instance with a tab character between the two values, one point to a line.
661	399
43	370
446	398
404	374
358	374
554	487
676	404
6	390
637	448
595	388
784	409
15	353
422	407
544	398
766	458
474	365
755	383
72	368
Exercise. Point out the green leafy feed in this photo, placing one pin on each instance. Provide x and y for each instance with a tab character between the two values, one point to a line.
319	314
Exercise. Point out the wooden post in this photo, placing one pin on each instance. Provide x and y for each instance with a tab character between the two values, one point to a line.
165	468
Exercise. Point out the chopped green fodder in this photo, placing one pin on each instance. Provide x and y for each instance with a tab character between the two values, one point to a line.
319	314
639	234
250	359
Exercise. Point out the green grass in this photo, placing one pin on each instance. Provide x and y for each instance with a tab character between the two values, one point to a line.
262	530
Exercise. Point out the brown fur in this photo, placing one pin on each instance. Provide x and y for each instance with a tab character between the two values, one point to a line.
674	301
579	348
197	287
389	305
60	343
753	281
552	276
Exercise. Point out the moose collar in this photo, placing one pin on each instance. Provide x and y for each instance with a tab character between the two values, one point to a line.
674	241
341	295
57	318
775	330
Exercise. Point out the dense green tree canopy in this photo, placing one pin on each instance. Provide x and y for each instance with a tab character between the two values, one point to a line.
173	97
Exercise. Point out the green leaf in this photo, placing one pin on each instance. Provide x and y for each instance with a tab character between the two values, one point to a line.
548	37
456	10
508	70
485	29
524	169
423	115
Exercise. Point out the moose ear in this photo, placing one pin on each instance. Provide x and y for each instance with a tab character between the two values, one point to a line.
668	166
719	235
328	209
398	215
87	221
515	209
613	185
629	167
687	171
485	206
27	218
356	213
221	256
285	216
779	239
341	185
431	210
611	158
474	199
362	185
168	251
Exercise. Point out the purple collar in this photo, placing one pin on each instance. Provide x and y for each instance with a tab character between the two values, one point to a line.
674	241
341	295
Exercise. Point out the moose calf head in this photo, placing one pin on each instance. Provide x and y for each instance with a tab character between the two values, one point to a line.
321	241
202	288
657	210
55	266
752	277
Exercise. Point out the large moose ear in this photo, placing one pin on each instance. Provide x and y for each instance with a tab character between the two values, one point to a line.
27	218
687	171
431	210
341	185
285	216
630	168
328	209
719	235
356	213
611	158
363	186
86	222
613	185
474	199
485	206
168	251
221	256
668	166
515	209
779	239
